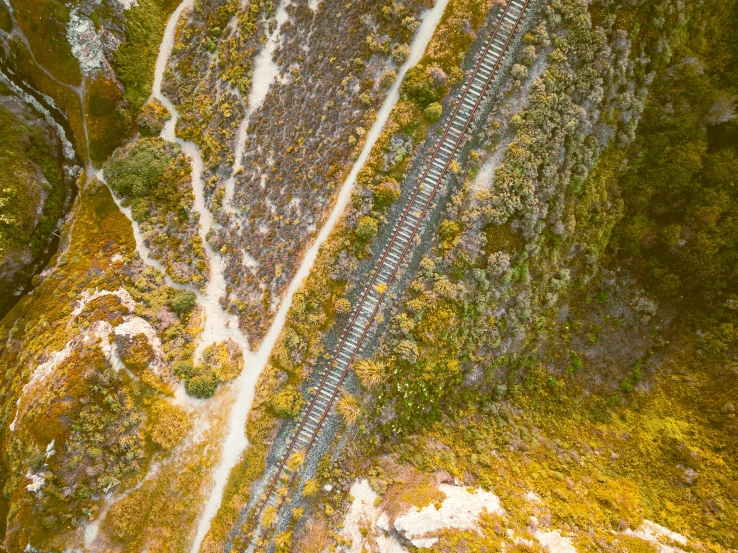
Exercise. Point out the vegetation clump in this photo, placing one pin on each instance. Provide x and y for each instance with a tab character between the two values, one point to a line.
153	177
167	424
287	403
152	118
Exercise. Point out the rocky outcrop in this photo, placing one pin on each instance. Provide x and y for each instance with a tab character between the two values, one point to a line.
33	188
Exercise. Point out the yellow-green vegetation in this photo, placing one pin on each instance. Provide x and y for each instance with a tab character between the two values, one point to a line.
167	424
44	23
108	121
665	455
31	196
152	118
608	408
84	426
287	403
135	58
153	177
108	110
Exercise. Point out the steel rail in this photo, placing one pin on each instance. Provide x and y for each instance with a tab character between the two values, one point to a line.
415	226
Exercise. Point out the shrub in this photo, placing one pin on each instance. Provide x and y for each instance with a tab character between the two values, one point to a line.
184	370
287	403
387	79
152	118
400	53
202	386
449	230
183	302
367	228
349	409
387	192
137	169
433	112
342	306
418	87
167	424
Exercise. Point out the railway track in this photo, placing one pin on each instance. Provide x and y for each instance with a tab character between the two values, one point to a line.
393	254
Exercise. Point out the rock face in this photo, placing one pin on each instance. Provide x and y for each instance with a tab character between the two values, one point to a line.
460	510
32	191
367	525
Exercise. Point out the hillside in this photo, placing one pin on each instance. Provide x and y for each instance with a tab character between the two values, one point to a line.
386	277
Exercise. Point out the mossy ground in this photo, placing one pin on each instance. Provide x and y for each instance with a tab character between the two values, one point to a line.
25	151
94	412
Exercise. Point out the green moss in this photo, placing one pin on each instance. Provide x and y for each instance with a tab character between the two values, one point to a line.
31	197
6	23
44	23
22	150
136	57
108	122
65	98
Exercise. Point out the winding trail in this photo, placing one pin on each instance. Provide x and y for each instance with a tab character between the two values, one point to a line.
219	324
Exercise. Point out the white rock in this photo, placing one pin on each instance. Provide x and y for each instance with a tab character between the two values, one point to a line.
383	523
655	533
364	513
460	510
37	482
86	45
554	541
